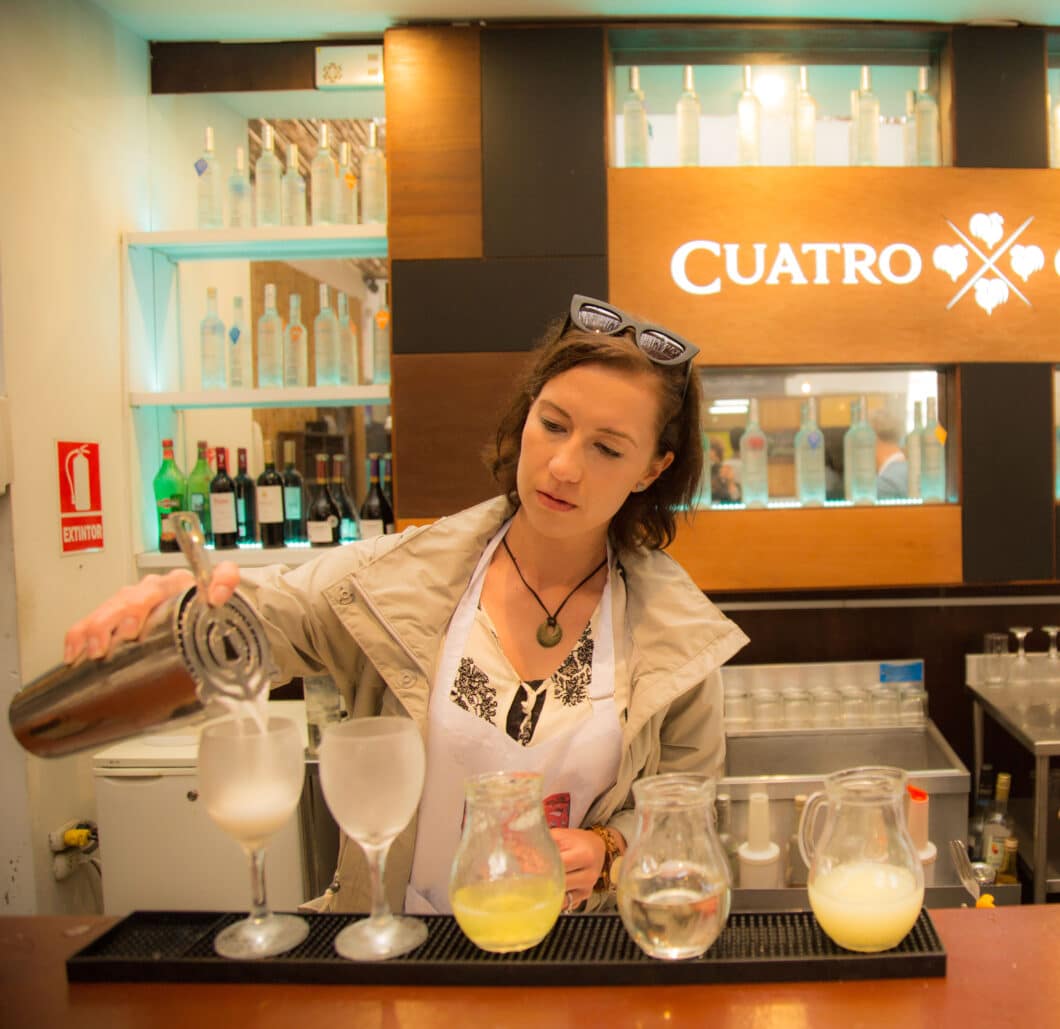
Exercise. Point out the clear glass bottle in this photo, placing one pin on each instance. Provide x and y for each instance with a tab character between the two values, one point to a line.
927	123
327	342
212	349
634	124
197	493
381	342
270	343
322	180
852	139
809	458
240	194
294	212
169	487
1008	872
754	460
848	462
268	177
373	179
295	347
997	823
914	450
868	120
210	187
748	122
1054	126
294	513
349	346
346	189
862	457
804	124
909	127
933	457
688	111
239	349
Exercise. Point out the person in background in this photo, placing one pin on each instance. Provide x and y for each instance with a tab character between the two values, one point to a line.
724	486
543	630
892	468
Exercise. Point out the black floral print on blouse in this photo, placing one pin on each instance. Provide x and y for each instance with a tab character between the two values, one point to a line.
570	682
472	691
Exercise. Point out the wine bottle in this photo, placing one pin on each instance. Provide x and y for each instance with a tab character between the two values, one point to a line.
270	343
868	120
246	502
239	354
386	476
862	457
1008	872
212	348
322	180
688	111
268	178
381	342
327	343
223	505
997	824
933	457
377	516
210	187
293	192
169	487
635	124
748	122
346	188
754	461
294	516
198	490
809	459
239	194
349	346
295	349
804	124
270	502
348	528
322	521
373	179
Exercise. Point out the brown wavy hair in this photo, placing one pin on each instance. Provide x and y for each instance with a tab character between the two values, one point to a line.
647	519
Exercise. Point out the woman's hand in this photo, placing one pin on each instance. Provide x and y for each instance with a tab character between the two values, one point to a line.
122	617
583	854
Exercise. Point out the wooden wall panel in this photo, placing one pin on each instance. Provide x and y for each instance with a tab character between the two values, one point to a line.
434	142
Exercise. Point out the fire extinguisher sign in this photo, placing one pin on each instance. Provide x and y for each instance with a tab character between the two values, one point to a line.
80	497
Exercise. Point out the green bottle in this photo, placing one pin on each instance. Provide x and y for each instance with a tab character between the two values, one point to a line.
169	496
198	491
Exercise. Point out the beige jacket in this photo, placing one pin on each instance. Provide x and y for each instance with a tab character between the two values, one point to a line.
373	616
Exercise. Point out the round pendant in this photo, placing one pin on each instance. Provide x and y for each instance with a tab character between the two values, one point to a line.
549	633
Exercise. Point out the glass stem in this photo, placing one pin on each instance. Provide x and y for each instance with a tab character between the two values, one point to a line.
259	909
376	857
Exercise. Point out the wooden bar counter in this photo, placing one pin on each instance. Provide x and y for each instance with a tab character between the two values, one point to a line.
1003	970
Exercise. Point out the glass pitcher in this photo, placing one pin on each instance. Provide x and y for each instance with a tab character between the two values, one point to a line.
507	883
866	883
674	883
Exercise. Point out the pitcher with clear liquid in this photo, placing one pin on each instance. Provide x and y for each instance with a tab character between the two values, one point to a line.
866	883
674	883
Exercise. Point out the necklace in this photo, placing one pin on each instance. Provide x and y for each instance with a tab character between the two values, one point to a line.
549	632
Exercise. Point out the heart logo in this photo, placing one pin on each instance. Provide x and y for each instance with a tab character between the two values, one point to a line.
1026	260
954	260
990	292
987	227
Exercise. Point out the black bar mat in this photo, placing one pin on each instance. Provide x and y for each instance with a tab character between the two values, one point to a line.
582	950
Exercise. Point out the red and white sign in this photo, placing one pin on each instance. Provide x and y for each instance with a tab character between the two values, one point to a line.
80	497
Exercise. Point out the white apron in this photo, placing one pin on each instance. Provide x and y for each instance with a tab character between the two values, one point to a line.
581	763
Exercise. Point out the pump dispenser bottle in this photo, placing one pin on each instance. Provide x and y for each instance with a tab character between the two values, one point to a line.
759	856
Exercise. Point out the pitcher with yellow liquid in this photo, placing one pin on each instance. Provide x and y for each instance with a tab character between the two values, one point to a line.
866	883
506	887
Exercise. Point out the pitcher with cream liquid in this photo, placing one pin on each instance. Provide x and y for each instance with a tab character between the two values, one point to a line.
866	883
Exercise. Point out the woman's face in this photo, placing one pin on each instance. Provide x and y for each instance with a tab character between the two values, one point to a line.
589	440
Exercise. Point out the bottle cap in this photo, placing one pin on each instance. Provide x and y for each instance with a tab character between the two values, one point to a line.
634	78
209	139
324	136
267	137
325	300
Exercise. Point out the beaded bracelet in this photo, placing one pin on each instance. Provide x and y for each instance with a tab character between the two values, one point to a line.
604	883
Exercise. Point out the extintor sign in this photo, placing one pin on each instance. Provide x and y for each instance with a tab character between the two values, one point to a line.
80	497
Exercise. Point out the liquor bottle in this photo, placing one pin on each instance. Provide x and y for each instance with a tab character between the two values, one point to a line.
270	343
748	122
862	457
197	493
852	138
868	120
1008	873
377	516
723	806
212	347
927	123
327	342
223	505
169	488
381	343
246	502
634	124
848	462
688	111
295	348
914	450
270	502
348	528
268	179
239	194
933	457
322	180
293	192
797	871
210	187
239	355
373	179
809	458
997	825
346	188
909	128
349	346
322	520
754	461
804	124
984	797
386	476
294	515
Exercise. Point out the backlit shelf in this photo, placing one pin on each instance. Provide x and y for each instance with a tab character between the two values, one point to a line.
313	396
270	243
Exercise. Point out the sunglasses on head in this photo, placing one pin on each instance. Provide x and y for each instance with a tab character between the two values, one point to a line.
660	345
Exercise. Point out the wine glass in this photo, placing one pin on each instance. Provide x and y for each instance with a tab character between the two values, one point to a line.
250	781
371	770
1020	670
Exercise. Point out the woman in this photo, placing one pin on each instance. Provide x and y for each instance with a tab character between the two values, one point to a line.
543	630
